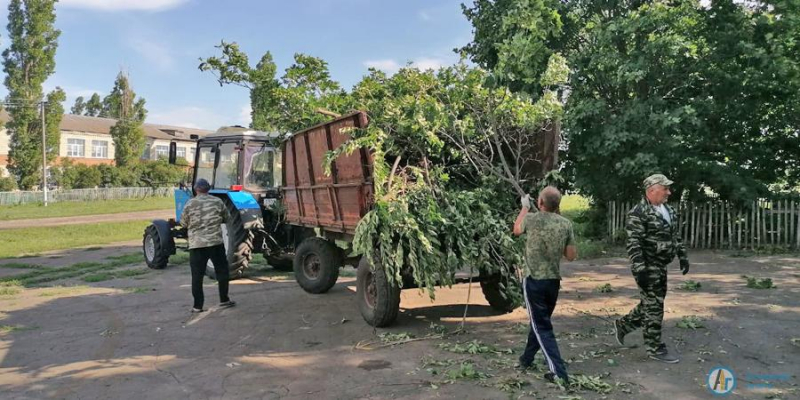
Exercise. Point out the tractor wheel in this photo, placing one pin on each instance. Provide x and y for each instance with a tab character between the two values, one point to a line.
283	262
238	244
501	292
155	254
316	265
378	299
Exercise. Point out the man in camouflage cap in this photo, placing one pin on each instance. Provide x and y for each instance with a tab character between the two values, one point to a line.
654	238
549	237
203	217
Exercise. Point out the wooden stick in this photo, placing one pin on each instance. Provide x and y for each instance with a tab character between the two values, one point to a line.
739	228
730	227
710	229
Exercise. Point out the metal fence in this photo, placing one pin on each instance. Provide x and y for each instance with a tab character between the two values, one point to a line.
114	193
721	225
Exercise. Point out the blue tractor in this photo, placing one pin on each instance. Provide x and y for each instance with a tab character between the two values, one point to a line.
244	169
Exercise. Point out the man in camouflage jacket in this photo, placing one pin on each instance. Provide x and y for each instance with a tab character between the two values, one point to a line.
654	239
203	217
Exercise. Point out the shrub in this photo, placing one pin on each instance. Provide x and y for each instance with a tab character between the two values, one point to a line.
7	184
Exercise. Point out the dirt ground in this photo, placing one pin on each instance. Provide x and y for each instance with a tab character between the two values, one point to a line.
134	338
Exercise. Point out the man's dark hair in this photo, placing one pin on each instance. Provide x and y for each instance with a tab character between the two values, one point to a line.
551	197
202	186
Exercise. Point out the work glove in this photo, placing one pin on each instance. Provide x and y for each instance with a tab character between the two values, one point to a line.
526	201
684	266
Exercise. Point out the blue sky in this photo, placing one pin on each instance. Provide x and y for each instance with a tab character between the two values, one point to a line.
159	43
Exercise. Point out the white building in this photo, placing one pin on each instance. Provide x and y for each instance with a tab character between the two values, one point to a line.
87	140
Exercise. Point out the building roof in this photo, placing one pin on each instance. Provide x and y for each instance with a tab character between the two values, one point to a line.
81	123
238	131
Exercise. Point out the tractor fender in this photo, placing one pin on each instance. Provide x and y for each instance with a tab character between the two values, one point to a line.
165	235
249	209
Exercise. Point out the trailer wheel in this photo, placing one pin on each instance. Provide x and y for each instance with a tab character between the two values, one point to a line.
378	299
155	255
238	243
501	292
316	265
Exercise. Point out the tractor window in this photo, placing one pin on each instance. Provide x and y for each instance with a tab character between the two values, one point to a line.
205	164
260	172
228	167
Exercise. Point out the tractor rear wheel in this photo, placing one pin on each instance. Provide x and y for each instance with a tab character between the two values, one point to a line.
238	243
155	254
316	265
378	299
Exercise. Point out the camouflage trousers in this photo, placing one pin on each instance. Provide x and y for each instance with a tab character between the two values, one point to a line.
649	313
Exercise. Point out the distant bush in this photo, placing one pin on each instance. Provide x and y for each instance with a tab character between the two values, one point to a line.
69	175
7	184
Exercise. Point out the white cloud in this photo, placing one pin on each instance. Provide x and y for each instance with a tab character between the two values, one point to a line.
424	15
122	5
156	53
390	66
428	63
190	117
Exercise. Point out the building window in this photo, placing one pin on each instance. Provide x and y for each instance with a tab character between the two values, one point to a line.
99	149
146	152
75	147
191	154
162	152
180	152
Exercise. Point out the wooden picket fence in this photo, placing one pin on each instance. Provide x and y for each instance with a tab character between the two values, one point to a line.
721	225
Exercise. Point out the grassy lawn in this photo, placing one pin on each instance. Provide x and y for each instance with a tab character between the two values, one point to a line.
18	242
573	207
69	208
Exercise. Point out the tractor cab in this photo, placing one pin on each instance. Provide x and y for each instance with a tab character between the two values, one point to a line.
239	159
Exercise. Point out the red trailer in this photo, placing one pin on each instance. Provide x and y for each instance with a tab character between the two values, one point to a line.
321	210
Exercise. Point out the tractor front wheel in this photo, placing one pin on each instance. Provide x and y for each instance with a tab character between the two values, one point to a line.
155	254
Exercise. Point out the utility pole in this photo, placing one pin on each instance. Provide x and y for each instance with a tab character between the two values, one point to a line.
44	155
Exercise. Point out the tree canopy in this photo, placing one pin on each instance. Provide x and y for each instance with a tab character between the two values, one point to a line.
708	95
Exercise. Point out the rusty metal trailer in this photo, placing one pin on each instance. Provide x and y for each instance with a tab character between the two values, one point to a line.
320	209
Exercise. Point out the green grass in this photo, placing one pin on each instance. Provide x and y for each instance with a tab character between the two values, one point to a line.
98	277
139	290
15	242
10	288
759	283
16	328
88	271
15	265
690	286
61	290
572	203
70	209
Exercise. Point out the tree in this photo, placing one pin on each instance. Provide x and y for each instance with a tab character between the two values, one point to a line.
79	107
706	95
284	105
94	107
28	62
130	113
